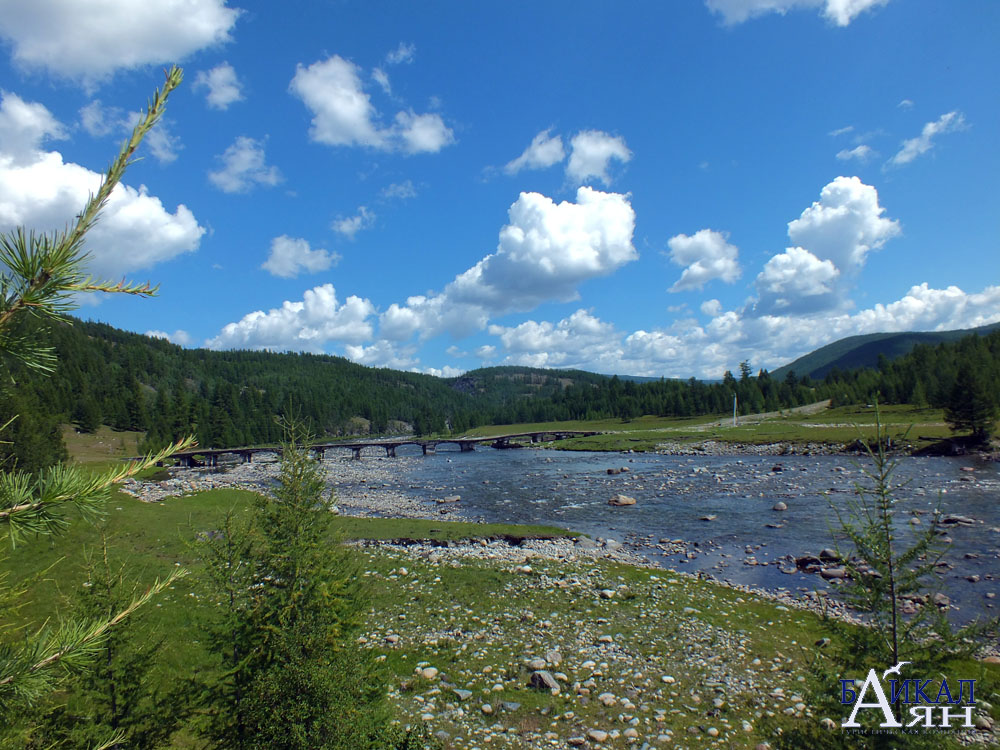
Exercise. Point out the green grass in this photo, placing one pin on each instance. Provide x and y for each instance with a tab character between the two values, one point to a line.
837	426
477	620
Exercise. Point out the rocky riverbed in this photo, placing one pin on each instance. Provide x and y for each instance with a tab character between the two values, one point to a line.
591	643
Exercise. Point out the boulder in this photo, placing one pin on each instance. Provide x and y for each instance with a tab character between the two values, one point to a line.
621	500
780	505
829	555
542	679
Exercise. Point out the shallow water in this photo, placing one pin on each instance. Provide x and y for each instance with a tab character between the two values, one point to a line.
673	493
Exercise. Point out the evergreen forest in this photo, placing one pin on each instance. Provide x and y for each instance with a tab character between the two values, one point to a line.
230	398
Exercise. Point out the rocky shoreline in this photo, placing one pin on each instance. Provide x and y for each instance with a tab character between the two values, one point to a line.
364	489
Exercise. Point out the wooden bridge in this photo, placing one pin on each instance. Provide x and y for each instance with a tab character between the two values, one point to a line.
210	456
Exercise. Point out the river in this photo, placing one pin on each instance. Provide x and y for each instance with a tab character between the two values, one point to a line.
675	493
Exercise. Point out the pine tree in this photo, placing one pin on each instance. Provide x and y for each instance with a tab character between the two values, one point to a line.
44	274
971	406
293	679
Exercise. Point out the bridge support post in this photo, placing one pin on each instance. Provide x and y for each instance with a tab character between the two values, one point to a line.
466	446
357	454
390	451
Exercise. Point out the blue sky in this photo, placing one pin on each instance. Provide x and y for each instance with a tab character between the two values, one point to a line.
649	188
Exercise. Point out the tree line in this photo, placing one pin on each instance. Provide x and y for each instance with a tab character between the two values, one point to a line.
226	399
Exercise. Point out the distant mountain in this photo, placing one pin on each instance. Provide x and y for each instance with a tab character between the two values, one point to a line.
864	351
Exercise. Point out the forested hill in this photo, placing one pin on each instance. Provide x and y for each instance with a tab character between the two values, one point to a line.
855	352
129	381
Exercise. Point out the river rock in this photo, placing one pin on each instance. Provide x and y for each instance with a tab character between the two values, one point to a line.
449	499
952	519
832	574
780	505
621	500
542	679
829	555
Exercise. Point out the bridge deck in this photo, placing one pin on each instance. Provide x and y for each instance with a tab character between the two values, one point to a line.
210	456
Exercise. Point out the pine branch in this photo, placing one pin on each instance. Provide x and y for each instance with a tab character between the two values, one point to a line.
45	270
34	504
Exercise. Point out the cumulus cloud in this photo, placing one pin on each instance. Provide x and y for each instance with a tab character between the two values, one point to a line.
383	354
579	339
291	256
179	337
794	279
221	86
591	153
706	255
308	325
545	252
711	307
832	239
914	147
99	120
839	12
543	151
244	166
91	41
687	348
343	113
42	192
425	133
862	153
844	225
351	225
24	126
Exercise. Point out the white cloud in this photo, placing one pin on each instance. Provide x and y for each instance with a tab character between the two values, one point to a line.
308	325
383	354
544	151
791	278
841	131
572	342
706	255
351	225
905	104
422	133
404	53
89	40
243	166
163	144
592	152
40	191
486	351
221	85
686	348
914	147
99	120
444	372
711	307
24	126
844	225
343	114
179	337
544	253
832	239
290	256
862	153
382	79
839	12
402	190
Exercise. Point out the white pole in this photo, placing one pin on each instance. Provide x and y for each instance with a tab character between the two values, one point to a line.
734	410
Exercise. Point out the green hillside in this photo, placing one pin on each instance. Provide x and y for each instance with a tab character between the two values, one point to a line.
864	351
